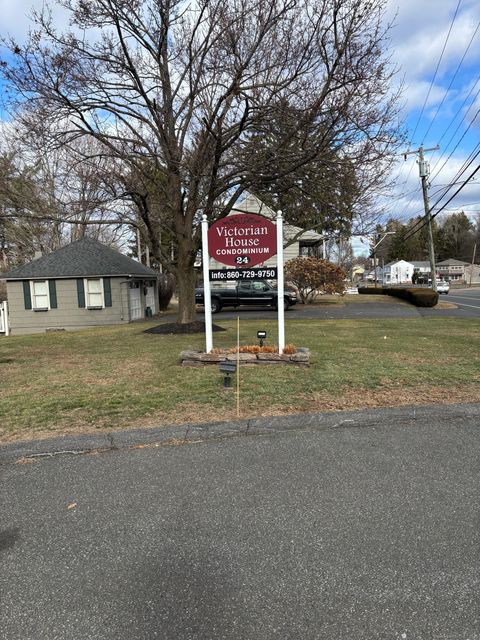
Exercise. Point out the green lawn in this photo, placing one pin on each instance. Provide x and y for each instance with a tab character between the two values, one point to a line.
120	377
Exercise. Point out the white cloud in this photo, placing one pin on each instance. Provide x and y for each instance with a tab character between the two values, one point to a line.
418	37
16	17
416	91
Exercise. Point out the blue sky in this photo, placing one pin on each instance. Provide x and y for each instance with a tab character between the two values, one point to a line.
436	46
438	59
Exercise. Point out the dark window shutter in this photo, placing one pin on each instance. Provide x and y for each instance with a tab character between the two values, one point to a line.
52	290
80	293
27	298
107	292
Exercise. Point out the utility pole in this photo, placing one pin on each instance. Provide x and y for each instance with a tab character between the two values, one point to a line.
424	171
473	262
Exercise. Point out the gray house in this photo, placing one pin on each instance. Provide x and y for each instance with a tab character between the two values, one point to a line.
84	284
452	270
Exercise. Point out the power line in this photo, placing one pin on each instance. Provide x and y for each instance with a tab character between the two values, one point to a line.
456	192
436	69
459	141
472	88
463	184
412	137
464	207
451	82
421	223
434	215
462	170
472	38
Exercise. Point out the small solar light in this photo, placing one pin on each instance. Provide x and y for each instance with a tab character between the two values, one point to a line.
261	335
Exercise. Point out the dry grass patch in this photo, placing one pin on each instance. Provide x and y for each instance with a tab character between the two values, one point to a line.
120	377
391	396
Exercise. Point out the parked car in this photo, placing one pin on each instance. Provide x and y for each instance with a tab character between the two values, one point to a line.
245	292
443	286
351	290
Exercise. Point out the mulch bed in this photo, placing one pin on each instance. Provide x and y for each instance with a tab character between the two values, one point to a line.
175	327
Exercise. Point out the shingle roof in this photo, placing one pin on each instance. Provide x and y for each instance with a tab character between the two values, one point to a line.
453	262
251	204
390	264
83	258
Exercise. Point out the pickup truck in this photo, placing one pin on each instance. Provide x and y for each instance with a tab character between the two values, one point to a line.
245	292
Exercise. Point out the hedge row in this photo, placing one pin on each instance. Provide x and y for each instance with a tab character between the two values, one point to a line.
419	297
377	291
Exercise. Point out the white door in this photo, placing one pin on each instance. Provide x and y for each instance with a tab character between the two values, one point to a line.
2	322
150	299
135	304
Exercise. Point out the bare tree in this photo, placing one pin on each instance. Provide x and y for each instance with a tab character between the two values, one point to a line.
187	87
50	197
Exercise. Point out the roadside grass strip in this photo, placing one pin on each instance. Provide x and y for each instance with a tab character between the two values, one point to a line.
121	377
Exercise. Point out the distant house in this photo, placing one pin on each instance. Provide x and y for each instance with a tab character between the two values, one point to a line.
452	270
297	241
472	274
358	272
397	272
422	269
84	284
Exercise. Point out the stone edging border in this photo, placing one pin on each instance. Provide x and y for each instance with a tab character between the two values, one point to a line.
192	358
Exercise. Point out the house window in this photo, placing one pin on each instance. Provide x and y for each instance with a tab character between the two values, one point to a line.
309	251
94	292
39	292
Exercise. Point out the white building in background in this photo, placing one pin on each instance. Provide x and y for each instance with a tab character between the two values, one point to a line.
422	269
397	272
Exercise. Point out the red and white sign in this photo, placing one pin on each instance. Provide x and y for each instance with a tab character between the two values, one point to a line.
244	239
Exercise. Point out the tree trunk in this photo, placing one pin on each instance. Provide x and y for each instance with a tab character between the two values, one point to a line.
185	275
186	291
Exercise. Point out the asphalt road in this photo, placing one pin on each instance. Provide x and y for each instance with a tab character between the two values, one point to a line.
467	301
342	526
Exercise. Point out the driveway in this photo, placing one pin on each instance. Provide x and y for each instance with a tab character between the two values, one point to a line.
466	301
348	526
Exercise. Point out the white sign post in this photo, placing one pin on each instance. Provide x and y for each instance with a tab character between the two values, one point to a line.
207	298
280	287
